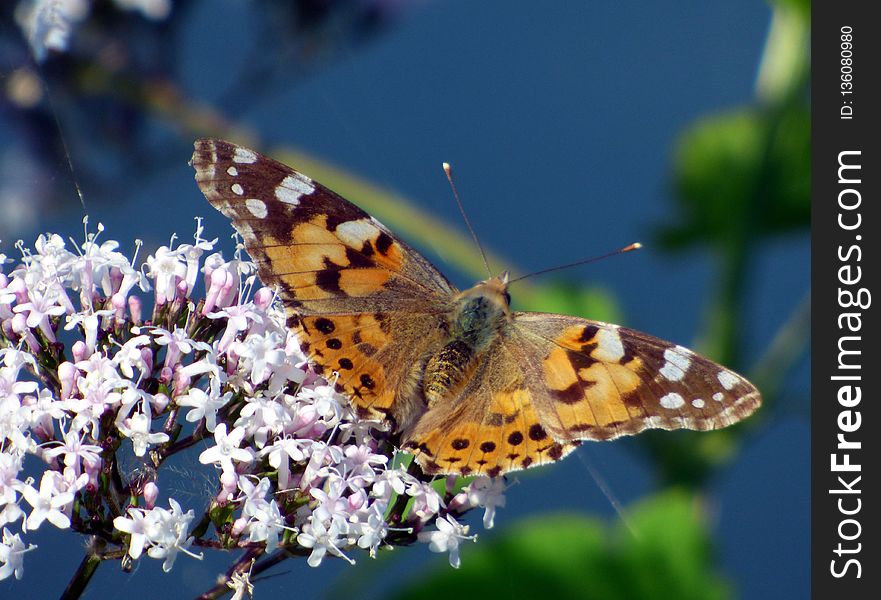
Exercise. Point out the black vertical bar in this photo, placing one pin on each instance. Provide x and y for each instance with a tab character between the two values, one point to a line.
846	363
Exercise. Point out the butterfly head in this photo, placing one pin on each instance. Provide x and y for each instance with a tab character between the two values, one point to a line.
492	292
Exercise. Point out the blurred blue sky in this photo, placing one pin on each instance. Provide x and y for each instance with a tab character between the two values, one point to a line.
559	119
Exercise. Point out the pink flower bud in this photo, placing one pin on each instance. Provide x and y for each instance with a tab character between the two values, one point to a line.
92	468
151	493
181	381
78	350
118	303
20	327
67	374
134	308
228	486
147	357
159	402
216	279
263	297
230	292
239	526
20	289
115	278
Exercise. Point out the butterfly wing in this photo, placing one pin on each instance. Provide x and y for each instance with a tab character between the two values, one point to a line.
555	380
346	281
493	426
601	381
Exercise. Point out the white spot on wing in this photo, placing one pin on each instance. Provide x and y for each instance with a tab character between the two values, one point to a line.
672	401
727	379
232	172
609	347
257	207
718	396
355	233
293	188
698	403
677	363
237	189
244	156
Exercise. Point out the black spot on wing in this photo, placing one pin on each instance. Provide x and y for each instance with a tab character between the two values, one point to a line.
383	243
537	432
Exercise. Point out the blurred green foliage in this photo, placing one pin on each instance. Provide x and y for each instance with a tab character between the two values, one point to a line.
666	553
740	173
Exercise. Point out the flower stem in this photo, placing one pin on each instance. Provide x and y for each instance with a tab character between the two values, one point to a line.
84	572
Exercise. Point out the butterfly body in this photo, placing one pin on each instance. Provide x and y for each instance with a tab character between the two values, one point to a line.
479	316
470	385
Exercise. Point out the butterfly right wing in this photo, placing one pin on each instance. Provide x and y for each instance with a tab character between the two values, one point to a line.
597	381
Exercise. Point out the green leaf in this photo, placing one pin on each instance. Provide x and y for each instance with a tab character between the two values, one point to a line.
745	172
572	556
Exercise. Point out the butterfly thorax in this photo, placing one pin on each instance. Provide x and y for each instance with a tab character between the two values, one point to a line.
477	318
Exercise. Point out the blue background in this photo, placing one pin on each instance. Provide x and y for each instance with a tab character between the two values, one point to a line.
559	119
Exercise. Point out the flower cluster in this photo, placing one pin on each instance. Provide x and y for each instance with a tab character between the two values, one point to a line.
86	380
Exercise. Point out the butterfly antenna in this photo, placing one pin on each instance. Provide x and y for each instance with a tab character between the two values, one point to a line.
449	172
609	494
631	247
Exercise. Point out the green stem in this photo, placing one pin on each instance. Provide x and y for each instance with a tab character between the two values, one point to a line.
83	574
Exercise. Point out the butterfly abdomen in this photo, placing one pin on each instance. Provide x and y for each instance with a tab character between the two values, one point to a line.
476	320
446	370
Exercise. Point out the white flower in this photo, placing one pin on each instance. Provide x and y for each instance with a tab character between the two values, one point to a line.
266	525
12	551
392	481
227	449
262	352
74	451
137	429
177	342
373	531
204	406
11	388
426	500
130	357
166	267
168	533
238	318
488	493
332	506
240	583
279	454
138	527
261	416
323	540
446	538
89	322
39	309
47	503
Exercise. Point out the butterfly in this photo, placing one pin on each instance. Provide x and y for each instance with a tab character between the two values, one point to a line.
471	386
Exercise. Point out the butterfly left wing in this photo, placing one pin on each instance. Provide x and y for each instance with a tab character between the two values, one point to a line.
361	301
554	380
323	253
